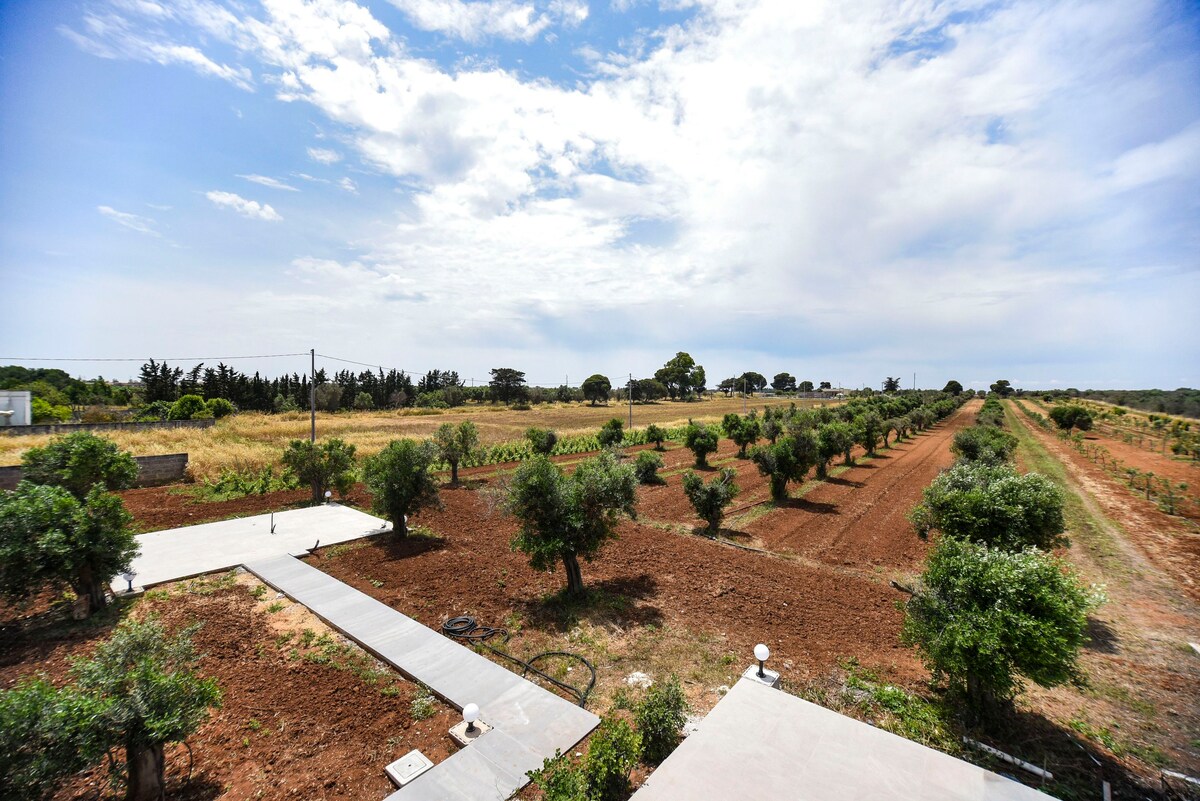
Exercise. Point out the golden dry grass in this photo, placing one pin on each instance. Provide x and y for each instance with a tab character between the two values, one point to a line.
252	440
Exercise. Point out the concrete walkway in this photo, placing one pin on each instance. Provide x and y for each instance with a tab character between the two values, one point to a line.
761	743
193	550
529	723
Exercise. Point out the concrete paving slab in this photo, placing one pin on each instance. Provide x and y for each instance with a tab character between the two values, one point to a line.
760	742
529	723
194	550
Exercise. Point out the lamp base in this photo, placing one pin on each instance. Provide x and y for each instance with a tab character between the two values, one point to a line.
769	677
461	736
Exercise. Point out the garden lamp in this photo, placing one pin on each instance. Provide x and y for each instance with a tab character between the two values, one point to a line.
128	576
470	715
762	653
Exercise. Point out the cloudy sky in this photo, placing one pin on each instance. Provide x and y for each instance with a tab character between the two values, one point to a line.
843	190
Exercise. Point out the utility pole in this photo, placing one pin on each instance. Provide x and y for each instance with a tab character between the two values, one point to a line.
914	382
631	401
312	396
743	394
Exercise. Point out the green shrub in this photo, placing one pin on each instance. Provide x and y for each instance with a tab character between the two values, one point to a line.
188	407
329	464
560	779
701	441
218	408
612	433
1071	415
983	443
660	717
542	440
656	435
647	466
77	461
613	752
45	412
994	505
982	618
709	500
46	734
363	401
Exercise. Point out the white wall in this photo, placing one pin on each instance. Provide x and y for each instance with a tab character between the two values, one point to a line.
19	404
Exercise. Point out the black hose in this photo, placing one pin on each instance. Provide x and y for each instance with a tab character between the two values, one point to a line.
466	628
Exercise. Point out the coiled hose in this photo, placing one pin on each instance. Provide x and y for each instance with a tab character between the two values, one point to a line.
467	629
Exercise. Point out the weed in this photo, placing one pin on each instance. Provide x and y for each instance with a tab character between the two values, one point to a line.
424	705
275	606
259	591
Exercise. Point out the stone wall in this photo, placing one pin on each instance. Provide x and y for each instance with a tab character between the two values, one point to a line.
67	428
152	471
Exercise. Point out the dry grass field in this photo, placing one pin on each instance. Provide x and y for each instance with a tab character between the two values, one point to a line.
253	440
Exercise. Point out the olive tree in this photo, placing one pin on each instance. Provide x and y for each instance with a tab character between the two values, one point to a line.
611	433
542	440
982	619
456	443
321	466
701	441
46	734
1071	415
150	694
76	462
656	435
401	481
987	444
568	518
709	500
48	537
744	431
994	505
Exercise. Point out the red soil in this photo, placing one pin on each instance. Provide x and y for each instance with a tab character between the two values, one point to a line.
286	728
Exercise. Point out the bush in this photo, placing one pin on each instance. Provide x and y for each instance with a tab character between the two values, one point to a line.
218	408
78	461
701	441
45	412
994	505
982	618
660	717
542	440
985	444
48	537
613	752
188	407
612	433
363	401
329	464
709	500
647	466
46	734
400	478
151	412
560	779
656	435
1070	416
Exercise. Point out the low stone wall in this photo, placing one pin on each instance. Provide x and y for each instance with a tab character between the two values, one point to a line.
152	471
67	428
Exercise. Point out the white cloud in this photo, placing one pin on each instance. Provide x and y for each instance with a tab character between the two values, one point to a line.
348	185
247	208
324	156
472	21
269	182
846	171
134	222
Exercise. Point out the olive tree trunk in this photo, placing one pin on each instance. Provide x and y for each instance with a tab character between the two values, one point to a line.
145	773
574	575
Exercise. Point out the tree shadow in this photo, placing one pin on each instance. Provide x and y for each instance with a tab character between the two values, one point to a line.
414	544
804	505
844	482
878	455
617	601
1078	765
1101	637
35	638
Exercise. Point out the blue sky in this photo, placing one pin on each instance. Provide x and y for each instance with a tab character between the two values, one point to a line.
840	190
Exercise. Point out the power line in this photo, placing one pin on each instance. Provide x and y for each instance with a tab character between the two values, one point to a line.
143	359
349	361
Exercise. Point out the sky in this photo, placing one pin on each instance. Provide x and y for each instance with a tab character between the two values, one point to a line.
842	190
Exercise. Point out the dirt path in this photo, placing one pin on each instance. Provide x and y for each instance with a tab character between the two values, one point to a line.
1142	679
859	517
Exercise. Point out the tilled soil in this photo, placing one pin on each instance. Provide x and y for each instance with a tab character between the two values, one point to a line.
1161	465
809	616
287	727
858	519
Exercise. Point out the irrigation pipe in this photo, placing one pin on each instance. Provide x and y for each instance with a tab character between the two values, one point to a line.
466	628
1012	760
